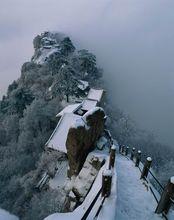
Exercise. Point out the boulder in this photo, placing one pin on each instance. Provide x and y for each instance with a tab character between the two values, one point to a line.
87	175
82	138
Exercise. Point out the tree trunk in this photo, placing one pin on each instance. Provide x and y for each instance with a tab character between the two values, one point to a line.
67	98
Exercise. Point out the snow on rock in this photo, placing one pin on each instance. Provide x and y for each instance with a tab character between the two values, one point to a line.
4	215
135	200
78	123
87	175
82	137
102	142
92	193
91	112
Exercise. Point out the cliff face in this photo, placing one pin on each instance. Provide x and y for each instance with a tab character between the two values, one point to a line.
82	138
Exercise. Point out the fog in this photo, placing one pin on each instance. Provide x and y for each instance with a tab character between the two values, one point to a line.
133	41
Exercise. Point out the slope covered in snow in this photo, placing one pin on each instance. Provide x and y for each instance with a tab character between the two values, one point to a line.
4	215
108	209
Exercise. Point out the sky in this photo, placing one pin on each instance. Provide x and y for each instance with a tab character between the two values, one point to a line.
133	41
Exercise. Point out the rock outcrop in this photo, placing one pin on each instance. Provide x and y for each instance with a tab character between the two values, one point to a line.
82	137
87	175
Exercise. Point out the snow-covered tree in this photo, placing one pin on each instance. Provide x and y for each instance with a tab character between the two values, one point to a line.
87	63
37	42
55	61
19	99
11	123
67	46
66	83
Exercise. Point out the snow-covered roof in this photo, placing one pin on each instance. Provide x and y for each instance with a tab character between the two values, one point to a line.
83	85
69	109
95	94
58	138
89	104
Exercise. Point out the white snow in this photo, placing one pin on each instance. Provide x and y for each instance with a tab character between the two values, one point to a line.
107	172
78	123
149	159
87	175
89	104
78	213
4	215
91	195
63	216
60	178
58	138
172	179
108	210
130	198
102	142
95	94
45	53
83	85
135	200
91	112
113	147
69	109
50	88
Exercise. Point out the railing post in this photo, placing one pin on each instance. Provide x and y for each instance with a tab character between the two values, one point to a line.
112	156
106	183
126	151
146	167
132	153
165	201
122	149
138	158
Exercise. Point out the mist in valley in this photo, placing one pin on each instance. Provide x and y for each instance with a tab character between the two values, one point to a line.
133	42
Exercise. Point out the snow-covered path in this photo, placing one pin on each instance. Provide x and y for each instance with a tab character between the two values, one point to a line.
134	200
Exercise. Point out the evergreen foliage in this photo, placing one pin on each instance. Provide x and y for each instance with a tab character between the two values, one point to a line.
27	119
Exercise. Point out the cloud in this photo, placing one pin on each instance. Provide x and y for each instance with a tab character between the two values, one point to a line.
133	41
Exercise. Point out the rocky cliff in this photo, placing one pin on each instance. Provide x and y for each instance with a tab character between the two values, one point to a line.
82	138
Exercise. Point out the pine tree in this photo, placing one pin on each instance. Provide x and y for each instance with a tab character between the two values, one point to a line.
66	83
87	63
66	46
